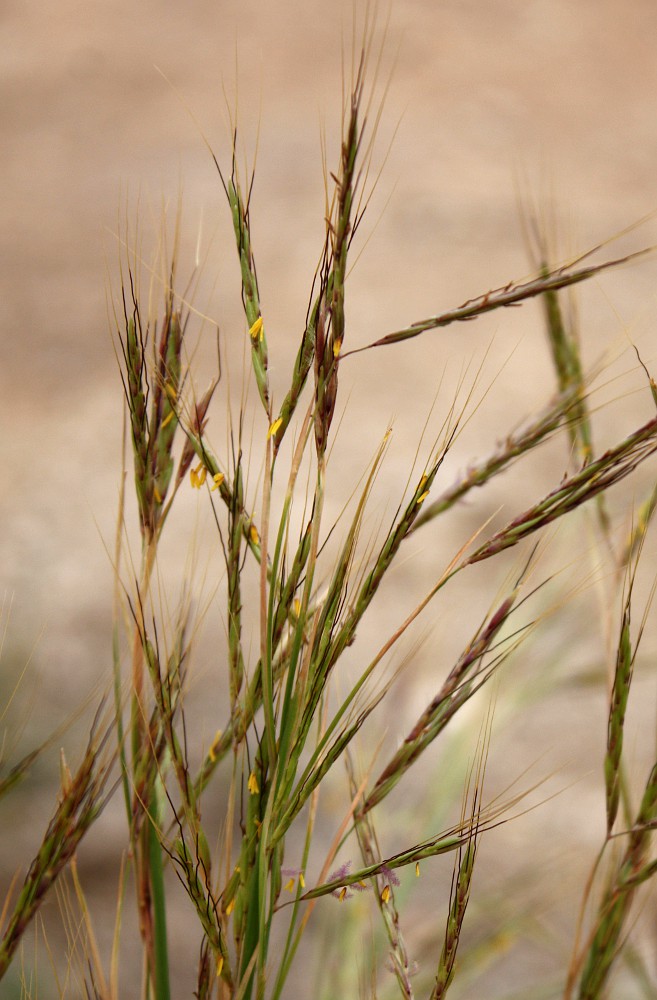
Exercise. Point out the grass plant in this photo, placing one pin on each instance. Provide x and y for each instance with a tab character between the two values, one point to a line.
287	725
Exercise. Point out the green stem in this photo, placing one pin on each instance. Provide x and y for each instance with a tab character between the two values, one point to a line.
161	970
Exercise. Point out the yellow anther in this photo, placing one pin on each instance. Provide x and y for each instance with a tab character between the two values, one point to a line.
252	784
230	907
337	347
289	886
167	420
255	331
274	427
212	752
422	497
253	535
218	480
385	895
198	475
343	893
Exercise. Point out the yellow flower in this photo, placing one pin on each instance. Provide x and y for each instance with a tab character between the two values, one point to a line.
218	480
252	784
255	332
274	427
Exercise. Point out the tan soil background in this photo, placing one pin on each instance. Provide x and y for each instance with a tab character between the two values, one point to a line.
556	98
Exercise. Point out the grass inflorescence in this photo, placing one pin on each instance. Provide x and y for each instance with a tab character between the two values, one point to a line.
287	726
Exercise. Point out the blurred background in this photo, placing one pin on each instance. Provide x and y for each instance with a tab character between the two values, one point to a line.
104	114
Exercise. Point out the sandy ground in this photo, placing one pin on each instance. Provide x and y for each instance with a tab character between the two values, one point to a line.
487	98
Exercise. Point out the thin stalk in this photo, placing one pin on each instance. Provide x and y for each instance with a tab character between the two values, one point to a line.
500	298
160	949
